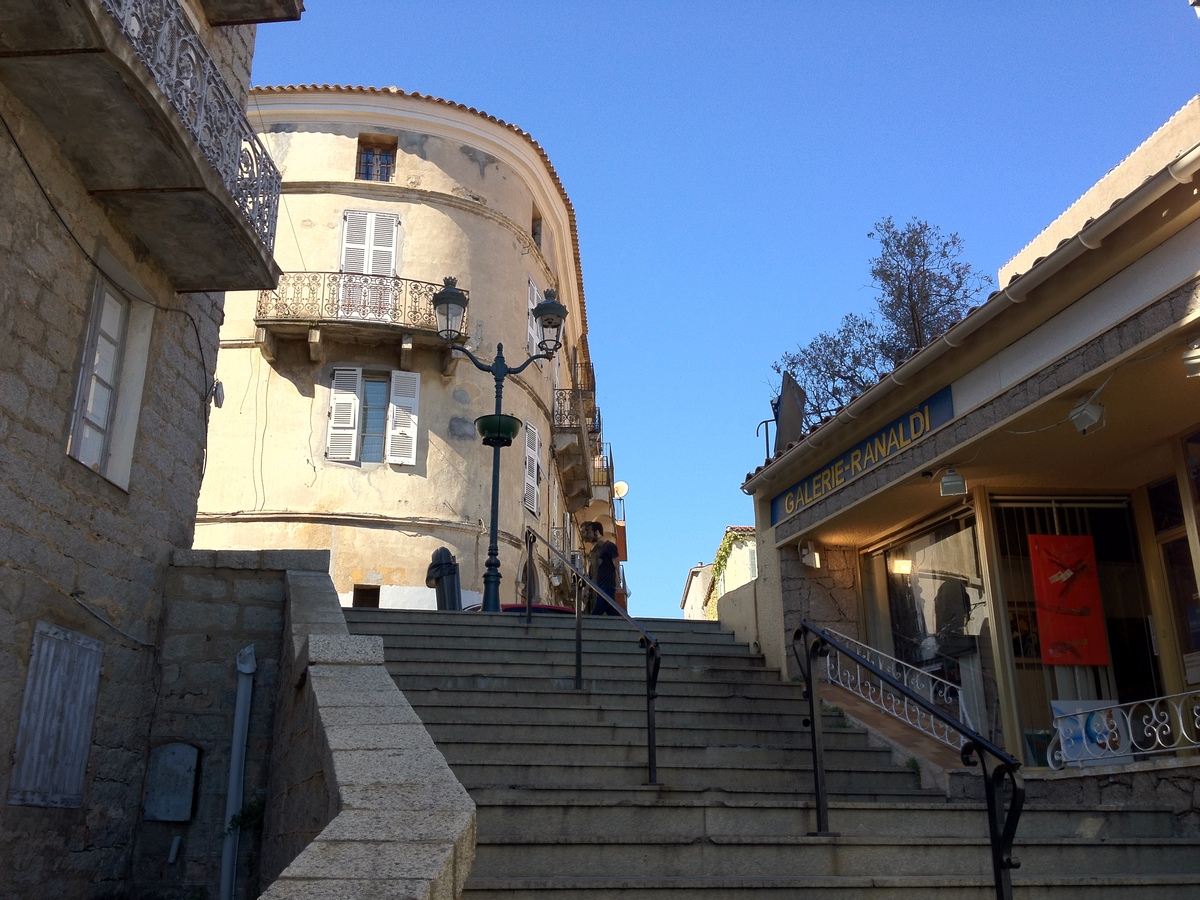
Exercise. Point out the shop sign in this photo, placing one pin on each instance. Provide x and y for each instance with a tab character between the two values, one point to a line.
1091	732
865	455
1066	587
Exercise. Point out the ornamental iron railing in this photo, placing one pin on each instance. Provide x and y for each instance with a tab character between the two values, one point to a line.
940	693
1111	734
344	296
1003	786
167	44
602	467
574	408
559	541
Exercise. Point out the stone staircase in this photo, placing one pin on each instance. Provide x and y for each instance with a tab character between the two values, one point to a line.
564	811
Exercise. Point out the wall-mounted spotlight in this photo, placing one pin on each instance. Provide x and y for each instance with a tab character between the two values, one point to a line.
953	484
810	555
901	566
1086	413
1191	357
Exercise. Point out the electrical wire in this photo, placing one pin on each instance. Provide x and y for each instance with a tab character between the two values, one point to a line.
205	390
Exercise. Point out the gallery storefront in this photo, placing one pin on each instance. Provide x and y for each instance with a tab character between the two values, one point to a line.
1014	510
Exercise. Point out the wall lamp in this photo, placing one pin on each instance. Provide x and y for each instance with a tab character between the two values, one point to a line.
810	555
1191	353
1086	413
953	484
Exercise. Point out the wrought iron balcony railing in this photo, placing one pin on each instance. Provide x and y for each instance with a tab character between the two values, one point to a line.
343	296
602	467
1114	733
574	408
167	44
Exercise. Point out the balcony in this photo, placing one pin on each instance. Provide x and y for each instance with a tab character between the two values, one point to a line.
131	96
245	12
348	307
574	413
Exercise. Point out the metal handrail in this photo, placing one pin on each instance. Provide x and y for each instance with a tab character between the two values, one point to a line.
646	640
997	766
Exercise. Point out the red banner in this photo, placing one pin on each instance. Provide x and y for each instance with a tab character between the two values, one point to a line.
1066	586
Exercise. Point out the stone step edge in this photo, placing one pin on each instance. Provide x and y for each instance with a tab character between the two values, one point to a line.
820	881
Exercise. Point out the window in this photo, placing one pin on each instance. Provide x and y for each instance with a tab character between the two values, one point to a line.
373	417
366	596
534	335
535	228
533	471
55	732
376	158
108	397
369	246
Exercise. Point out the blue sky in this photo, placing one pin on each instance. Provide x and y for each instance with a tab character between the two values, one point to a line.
726	162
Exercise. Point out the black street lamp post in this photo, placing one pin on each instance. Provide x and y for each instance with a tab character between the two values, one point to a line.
498	429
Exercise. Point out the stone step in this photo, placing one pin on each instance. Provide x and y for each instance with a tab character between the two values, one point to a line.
474	624
771	694
548	728
401	634
517	667
693	815
725	726
890	887
844	783
626	749
448	653
845	855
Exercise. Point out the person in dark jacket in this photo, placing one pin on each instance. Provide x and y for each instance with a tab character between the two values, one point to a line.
602	568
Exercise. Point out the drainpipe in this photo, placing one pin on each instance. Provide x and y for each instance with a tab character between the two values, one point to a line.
237	767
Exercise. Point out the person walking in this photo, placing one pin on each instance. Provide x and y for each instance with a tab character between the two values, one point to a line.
602	568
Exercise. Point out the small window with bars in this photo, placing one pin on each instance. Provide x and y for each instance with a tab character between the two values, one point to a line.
376	158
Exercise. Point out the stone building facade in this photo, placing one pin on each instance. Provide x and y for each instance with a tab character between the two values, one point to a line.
1015	508
134	194
348	424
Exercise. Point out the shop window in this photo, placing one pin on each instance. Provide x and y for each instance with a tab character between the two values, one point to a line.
373	417
109	395
57	711
376	158
1111	550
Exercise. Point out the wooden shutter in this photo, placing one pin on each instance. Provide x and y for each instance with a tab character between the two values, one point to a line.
532	326
342	442
355	241
402	418
382	258
533	452
57	712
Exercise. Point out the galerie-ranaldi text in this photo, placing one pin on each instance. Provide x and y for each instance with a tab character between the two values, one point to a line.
887	441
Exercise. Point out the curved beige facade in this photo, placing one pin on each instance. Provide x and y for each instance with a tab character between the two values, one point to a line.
405	190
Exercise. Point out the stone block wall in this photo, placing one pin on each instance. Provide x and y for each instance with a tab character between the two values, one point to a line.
361	803
828	596
75	549
216	604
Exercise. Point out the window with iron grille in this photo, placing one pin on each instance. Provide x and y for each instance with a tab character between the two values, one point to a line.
376	159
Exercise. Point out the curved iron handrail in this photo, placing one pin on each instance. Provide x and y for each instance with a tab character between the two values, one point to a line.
997	766
646	640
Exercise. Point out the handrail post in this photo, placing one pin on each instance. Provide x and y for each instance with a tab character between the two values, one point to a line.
530	540
1002	826
579	588
812	691
653	662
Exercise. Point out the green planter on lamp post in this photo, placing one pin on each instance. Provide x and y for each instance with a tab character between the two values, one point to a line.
499	429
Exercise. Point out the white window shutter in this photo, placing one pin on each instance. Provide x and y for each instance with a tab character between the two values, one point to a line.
355	241
342	443
534	299
402	418
533	450
382	259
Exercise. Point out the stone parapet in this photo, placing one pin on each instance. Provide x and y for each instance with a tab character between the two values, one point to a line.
360	803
